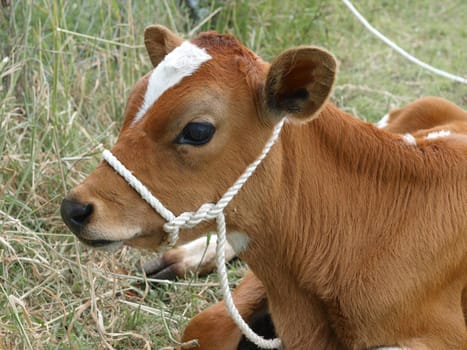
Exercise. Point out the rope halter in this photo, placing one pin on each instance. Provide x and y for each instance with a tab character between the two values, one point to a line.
207	212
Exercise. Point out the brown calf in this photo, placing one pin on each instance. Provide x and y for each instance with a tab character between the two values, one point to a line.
422	117
358	235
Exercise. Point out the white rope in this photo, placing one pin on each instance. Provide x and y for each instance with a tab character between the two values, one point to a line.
400	50
228	300
142	190
206	212
210	211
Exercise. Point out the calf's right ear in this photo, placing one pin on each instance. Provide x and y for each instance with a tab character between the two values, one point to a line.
159	41
299	82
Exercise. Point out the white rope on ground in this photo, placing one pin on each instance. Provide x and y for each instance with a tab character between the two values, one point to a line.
400	50
206	212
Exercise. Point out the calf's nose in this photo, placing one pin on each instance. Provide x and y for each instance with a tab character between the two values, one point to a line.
75	215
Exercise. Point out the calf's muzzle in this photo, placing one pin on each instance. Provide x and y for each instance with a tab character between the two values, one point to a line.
75	215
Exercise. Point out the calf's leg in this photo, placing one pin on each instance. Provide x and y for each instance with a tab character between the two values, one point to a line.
215	329
198	256
464	304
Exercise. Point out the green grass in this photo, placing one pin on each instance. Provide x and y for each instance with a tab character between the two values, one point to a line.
62	96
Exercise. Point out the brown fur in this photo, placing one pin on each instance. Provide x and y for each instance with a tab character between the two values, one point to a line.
426	110
214	328
427	113
159	41
359	239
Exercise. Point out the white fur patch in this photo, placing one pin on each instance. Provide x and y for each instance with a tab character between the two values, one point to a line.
409	139
203	251
383	122
113	232
437	134
183	61
196	250
238	240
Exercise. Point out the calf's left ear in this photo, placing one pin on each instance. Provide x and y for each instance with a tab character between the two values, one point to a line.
159	41
299	82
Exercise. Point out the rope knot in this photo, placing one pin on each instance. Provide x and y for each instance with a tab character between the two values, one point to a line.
190	219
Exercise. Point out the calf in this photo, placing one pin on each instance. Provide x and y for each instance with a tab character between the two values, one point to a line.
358	235
427	116
424	116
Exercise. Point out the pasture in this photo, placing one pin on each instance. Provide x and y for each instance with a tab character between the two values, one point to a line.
66	69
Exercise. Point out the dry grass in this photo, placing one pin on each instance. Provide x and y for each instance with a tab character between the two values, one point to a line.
62	96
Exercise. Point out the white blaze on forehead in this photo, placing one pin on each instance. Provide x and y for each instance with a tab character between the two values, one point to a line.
183	61
437	134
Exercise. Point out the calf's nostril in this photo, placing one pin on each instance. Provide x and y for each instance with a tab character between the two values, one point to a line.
82	215
75	215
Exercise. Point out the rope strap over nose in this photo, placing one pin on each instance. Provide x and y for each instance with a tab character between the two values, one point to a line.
206	212
138	186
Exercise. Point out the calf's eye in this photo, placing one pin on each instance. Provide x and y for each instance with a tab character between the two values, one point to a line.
196	134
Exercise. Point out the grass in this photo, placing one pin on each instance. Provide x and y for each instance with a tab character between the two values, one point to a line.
62	97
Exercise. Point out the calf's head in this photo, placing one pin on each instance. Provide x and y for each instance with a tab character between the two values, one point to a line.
192	125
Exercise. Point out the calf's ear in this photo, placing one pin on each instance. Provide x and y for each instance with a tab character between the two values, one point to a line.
299	82
159	41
